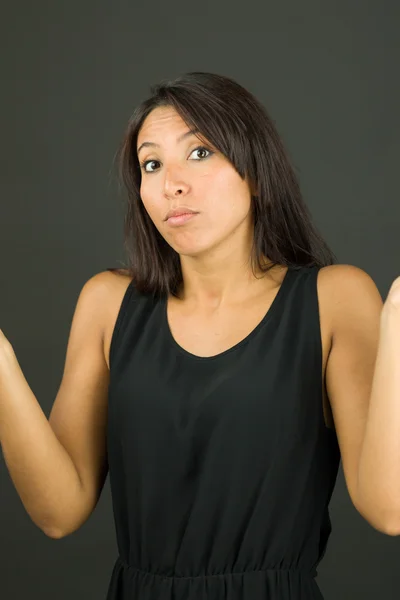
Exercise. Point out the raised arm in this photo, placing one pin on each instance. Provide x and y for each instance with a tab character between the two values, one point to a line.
59	466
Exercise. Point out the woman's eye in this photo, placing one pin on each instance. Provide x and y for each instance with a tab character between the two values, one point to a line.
149	166
147	163
201	149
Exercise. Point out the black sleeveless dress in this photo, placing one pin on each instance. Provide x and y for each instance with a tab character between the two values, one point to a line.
221	468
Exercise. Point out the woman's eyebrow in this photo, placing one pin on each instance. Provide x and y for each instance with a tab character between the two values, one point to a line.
179	139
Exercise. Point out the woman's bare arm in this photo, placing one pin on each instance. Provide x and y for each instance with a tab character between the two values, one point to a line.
59	465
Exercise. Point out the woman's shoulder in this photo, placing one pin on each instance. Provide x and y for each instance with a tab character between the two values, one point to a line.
341	279
115	282
344	288
111	285
119	273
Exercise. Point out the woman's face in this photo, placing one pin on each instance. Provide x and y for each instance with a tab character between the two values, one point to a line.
181	172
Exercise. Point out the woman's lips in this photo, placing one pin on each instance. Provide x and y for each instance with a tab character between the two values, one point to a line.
181	219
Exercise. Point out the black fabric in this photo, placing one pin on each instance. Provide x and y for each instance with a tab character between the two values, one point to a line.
221	468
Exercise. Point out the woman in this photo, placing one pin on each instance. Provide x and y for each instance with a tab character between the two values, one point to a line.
220	378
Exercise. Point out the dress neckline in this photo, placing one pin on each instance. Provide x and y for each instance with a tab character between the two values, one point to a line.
267	317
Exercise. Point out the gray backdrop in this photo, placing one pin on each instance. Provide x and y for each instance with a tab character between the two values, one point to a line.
73	72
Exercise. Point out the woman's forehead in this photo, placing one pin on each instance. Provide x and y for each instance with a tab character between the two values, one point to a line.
160	118
164	125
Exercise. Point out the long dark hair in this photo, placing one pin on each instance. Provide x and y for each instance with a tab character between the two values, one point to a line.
237	124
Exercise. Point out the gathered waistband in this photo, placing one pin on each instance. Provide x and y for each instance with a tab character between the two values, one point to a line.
129	582
295	570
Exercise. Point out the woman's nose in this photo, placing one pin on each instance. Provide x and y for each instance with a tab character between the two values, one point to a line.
174	185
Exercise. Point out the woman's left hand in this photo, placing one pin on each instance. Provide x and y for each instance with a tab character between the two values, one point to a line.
392	302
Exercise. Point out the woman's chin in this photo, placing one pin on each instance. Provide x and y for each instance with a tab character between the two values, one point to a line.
189	247
190	251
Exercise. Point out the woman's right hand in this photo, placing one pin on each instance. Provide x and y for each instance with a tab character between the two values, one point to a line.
7	354
393	298
390	316
5	346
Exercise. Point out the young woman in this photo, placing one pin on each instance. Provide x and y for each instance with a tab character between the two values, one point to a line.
220	378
